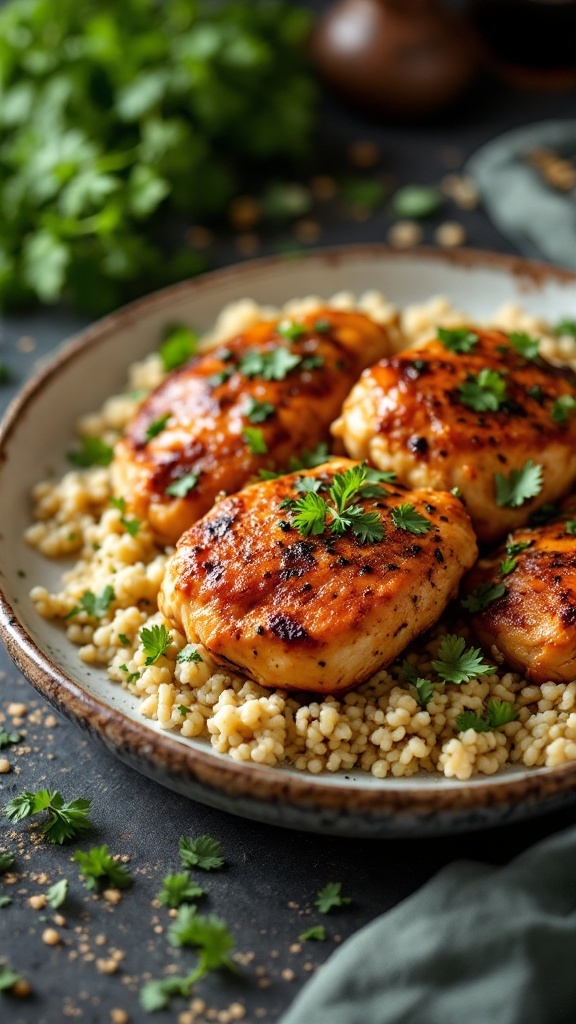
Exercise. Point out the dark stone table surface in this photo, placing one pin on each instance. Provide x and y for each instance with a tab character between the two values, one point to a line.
267	890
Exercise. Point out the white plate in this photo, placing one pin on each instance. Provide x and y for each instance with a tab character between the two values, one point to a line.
34	437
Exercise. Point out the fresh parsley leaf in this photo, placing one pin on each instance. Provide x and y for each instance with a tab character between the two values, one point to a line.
330	896
291	330
524	344
273	364
57	893
566	328
470	720
182	486
484	392
8	978
315	934
65	820
457	663
183	710
130	525
570	526
514	549
562	408
8	739
405	517
536	393
179	345
204	852
313	362
93	452
95	605
258	412
310	458
307	484
123	640
96	865
215	380
457	339
500	712
155	641
310	513
157	426
177	889
521	485
321	325
5	901
254	438
483	596
156	995
209	936
424	691
6	860
188	653
507	566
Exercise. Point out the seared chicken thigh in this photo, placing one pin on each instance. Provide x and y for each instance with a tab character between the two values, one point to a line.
471	418
250	404
533	620
306	607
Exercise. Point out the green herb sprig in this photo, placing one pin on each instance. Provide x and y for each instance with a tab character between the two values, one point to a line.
66	819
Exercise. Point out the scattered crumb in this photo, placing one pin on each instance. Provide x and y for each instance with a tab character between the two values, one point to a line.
17	710
450	234
405	233
60	920
263	982
50	721
461	189
21	988
5	766
237	1011
363	153
296	947
100	940
112	896
38	902
118	1016
108	966
288	974
50	937
26	343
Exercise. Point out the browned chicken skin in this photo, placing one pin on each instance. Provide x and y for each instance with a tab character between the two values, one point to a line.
406	414
206	408
533	624
321	612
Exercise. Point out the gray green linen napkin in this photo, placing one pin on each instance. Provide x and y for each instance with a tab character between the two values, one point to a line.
538	220
475	945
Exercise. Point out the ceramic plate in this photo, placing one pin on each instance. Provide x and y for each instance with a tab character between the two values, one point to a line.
34	437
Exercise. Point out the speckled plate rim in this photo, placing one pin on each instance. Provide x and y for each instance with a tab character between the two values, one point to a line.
253	790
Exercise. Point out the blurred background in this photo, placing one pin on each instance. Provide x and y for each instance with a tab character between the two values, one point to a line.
146	141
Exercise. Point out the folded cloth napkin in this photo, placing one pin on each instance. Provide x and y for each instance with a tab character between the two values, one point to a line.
539	220
475	945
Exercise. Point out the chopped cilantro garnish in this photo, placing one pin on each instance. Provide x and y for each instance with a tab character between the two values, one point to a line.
306	484
6	860
157	426
309	458
330	897
188	653
536	393
156	995
177	889
482	596
499	713
317	933
204	852
130	525
457	339
183	710
180	343
562	408
570	525
525	345
96	865
484	392
209	936
290	329
57	893
95	605
566	328
220	377
93	452
321	326
312	362
274	364
8	739
182	486
123	640
8	978
521	485
424	691
507	566
514	549
458	664
5	901
65	821
254	438
405	517
311	511
155	642
258	412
